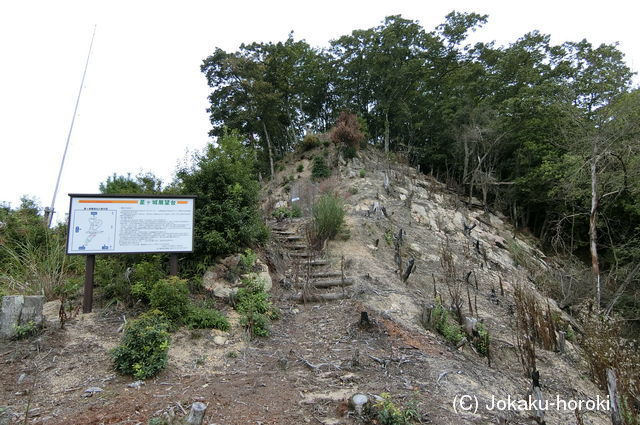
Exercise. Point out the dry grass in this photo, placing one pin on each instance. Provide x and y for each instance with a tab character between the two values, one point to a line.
534	327
606	348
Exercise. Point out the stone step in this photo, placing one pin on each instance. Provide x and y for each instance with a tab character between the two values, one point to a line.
302	254
316	262
297	246
329	296
319	275
284	232
293	238
328	283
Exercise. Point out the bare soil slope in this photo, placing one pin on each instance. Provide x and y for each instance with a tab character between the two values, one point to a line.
318	355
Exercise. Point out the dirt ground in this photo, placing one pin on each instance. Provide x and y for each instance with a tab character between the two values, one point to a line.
316	358
318	355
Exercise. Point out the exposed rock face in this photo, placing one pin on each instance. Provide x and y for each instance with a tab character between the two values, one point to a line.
19	310
223	284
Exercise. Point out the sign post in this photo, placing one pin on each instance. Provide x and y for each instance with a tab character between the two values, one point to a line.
87	301
128	224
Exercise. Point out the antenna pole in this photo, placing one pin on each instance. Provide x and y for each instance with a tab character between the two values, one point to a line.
48	214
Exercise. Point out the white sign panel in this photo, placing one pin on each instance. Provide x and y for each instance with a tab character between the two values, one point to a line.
118	225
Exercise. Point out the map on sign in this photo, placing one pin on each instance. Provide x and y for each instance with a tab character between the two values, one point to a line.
93	230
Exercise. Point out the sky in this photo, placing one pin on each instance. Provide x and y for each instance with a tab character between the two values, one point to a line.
144	99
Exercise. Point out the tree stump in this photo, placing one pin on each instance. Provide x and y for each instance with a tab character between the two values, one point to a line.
364	319
196	415
427	316
561	339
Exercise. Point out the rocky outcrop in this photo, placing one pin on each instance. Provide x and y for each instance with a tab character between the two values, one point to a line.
223	281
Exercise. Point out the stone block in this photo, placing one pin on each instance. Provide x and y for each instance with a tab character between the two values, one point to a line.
18	310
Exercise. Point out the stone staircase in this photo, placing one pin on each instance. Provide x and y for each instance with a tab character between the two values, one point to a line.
310	274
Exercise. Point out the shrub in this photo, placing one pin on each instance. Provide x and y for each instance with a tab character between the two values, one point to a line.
386	412
363	173
284	212
310	141
300	168
320	169
252	302
26	330
144	276
143	348
110	279
449	329
347	132
227	216
206	318
349	152
482	340
328	217
171	297
248	260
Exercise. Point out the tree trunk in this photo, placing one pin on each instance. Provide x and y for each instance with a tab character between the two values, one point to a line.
593	230
465	171
612	387
266	134
386	132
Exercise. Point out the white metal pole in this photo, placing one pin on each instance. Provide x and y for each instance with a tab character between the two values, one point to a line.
73	119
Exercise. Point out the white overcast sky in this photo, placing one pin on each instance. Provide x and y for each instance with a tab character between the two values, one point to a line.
144	100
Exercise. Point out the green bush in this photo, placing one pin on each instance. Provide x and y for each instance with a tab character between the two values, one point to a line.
363	173
310	141
142	352
248	260
386	412
349	152
252	302
449	329
300	168
144	276
284	212
206	318
110	279
320	169
482	340
328	217
171	297
26	330
227	214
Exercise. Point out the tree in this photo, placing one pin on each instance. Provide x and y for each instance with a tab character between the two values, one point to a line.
599	76
223	179
268	92
143	183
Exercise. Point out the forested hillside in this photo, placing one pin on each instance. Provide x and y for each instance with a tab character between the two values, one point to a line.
547	134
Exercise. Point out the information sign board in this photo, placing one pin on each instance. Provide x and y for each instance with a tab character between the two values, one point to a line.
127	224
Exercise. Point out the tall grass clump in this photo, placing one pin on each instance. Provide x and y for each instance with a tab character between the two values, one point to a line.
30	268
328	217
